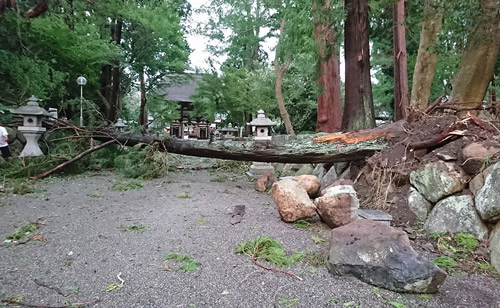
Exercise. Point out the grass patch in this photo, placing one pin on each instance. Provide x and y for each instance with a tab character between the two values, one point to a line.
315	258
289	302
302	224
188	261
127	186
24	231
219	179
134	227
445	262
425	297
468	242
268	249
317	239
114	286
182	196
396	305
96	195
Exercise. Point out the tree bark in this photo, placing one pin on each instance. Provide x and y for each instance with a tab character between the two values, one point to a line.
329	113
280	71
358	107
143	115
478	59
427	56
116	76
401	92
7	4
39	9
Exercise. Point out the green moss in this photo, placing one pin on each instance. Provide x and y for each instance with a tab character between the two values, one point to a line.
445	262
188	262
302	224
467	241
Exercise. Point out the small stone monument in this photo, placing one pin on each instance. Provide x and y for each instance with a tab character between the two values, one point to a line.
262	126
228	132
119	125
32	126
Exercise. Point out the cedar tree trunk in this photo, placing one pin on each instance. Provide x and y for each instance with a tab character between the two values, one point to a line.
358	108
143	115
329	116
401	92
478	59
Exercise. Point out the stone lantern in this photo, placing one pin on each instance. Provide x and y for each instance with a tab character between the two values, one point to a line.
119	125
262	127
228	132
32	126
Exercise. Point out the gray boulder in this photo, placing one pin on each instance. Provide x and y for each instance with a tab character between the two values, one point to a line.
382	256
438	179
456	214
478	181
338	206
290	169
319	171
330	177
292	201
418	204
488	198
495	247
306	169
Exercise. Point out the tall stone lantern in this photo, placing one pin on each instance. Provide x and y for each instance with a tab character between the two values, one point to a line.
262	126
32	126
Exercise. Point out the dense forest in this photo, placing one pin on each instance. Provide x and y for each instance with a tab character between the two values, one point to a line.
398	56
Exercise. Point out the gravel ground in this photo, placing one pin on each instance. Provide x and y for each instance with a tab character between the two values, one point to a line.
86	250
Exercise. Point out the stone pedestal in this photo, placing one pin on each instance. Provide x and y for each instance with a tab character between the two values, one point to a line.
258	169
32	135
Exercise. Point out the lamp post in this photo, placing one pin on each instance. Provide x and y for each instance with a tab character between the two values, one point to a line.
81	81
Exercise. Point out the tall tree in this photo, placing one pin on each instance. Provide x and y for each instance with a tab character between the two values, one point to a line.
401	92
427	56
329	113
358	106
478	60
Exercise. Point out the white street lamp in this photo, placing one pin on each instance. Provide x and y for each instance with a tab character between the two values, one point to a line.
81	81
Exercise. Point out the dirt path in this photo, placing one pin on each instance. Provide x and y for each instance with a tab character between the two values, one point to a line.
82	219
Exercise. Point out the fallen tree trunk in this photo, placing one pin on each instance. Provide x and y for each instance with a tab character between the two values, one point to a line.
283	149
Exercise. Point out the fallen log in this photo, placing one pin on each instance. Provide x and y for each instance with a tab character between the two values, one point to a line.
282	149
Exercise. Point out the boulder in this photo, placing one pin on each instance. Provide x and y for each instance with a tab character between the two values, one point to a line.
382	256
290	169
437	180
310	183
337	183
292	201
456	214
495	247
418	204
306	169
488	197
475	154
338	206
319	171
278	167
265	182
330	177
478	181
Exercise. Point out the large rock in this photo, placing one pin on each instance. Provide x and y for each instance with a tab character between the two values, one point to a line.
437	180
488	198
319	171
338	206
291	169
418	204
495	247
336	183
475	154
310	183
292	201
478	181
456	214
265	182
382	256
306	169
330	177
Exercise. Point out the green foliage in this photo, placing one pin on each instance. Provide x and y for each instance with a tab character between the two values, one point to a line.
445	262
425	297
397	305
188	262
269	249
114	286
467	241
351	304
289	302
182	196
134	227
317	239
127	186
24	231
219	179
141	162
302	224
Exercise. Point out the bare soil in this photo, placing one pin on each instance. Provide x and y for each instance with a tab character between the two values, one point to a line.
86	250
